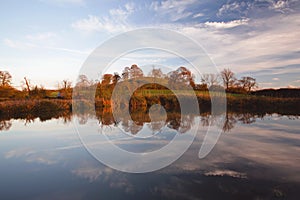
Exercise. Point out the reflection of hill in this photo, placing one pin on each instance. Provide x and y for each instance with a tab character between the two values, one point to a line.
181	123
30	110
138	118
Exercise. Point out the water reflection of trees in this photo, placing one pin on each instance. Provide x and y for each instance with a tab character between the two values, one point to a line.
5	125
230	120
135	122
5	120
174	120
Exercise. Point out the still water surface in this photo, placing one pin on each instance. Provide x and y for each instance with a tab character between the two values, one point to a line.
256	157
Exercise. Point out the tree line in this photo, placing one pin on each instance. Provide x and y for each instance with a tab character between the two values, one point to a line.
178	78
29	90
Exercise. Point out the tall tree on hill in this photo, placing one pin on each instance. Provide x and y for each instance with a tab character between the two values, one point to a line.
181	76
83	81
5	78
228	78
136	72
247	83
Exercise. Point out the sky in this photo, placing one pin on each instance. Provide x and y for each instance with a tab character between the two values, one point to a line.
48	41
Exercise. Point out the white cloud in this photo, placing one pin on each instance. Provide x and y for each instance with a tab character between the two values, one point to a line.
228	7
174	9
116	21
96	24
280	6
229	24
275	79
263	46
121	14
242	8
92	23
198	15
237	7
130	7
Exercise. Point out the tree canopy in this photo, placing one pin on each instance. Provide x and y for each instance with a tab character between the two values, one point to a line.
5	78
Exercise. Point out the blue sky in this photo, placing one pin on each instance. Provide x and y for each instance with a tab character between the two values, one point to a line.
49	40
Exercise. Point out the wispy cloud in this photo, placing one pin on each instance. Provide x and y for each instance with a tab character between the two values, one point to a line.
116	21
42	36
198	15
243	8
236	8
86	52
26	45
246	36
173	9
17	44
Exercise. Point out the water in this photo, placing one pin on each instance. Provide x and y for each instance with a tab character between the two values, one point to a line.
256	157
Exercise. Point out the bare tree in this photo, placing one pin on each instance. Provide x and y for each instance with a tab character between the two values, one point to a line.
228	78
27	83
66	84
5	78
248	83
66	88
210	79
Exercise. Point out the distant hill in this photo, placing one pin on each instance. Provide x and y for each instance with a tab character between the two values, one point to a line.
282	92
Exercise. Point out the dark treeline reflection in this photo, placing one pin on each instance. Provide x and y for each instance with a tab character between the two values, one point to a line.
6	119
136	120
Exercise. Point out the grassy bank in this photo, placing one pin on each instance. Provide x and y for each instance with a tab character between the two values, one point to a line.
235	102
42	108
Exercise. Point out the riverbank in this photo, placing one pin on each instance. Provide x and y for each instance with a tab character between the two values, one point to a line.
33	108
46	108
